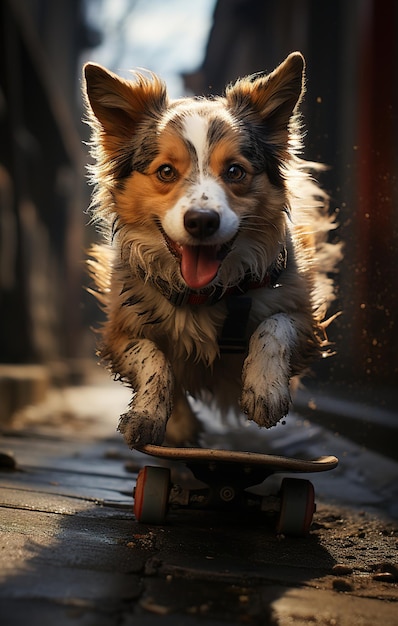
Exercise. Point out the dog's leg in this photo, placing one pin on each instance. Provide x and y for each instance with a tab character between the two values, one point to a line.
183	427
150	375
266	372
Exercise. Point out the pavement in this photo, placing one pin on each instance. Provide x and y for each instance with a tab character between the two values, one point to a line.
71	551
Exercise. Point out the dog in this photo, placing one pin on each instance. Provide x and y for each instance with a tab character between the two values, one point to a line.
215	270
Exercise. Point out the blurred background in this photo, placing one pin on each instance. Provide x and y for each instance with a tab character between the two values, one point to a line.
350	114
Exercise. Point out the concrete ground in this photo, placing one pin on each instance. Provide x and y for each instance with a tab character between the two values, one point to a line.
71	551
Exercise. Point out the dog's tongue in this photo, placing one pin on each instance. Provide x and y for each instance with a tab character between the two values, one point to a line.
199	265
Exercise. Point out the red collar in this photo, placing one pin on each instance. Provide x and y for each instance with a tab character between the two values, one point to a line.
197	298
212	295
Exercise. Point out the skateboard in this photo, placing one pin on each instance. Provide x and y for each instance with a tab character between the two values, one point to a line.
228	474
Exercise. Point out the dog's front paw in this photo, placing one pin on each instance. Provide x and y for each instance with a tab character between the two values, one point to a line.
266	371
150	375
145	421
142	427
267	408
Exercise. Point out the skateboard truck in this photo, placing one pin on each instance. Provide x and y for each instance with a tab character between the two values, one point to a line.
228	475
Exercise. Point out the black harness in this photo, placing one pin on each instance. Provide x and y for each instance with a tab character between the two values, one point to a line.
233	338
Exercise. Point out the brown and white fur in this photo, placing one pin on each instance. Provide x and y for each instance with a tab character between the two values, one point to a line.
192	197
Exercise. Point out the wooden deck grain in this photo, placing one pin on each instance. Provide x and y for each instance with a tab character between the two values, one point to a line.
65	520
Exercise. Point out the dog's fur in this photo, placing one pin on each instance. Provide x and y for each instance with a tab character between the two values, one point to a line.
209	198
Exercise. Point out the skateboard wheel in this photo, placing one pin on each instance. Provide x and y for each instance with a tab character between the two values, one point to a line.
297	507
152	494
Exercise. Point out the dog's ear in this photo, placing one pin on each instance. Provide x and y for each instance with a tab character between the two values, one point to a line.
118	104
273	97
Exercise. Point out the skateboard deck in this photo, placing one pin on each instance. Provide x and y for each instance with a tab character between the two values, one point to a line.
274	462
228	474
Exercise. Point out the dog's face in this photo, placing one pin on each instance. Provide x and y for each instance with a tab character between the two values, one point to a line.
195	184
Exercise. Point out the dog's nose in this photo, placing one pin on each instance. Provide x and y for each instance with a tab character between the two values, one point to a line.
201	223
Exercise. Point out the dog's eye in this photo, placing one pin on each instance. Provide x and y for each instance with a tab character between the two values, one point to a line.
235	173
166	173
